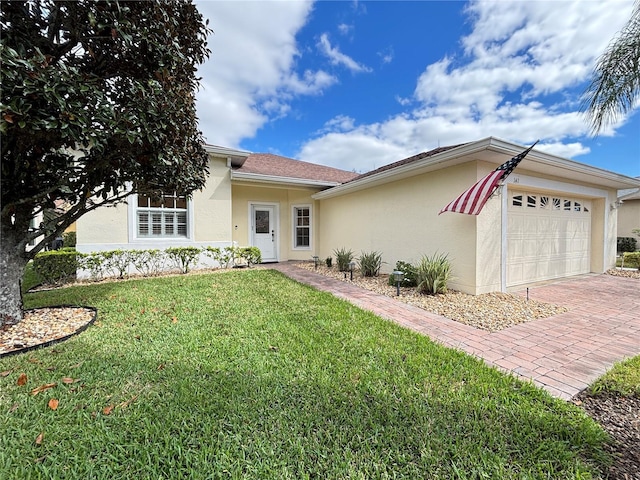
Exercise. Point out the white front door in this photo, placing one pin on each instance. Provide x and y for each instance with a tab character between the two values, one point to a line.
264	232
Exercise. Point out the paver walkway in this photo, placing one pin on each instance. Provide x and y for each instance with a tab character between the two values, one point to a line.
563	354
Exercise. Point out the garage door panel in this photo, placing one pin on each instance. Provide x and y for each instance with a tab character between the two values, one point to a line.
547	237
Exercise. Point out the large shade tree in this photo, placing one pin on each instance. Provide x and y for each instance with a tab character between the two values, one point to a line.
615	87
97	102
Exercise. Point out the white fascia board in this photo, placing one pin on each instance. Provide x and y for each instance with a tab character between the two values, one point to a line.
447	158
560	166
632	195
552	164
234	157
271	179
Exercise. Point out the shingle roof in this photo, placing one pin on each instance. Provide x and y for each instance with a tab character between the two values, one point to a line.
407	161
277	166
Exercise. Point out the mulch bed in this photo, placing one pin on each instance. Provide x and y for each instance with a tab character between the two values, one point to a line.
620	417
42	327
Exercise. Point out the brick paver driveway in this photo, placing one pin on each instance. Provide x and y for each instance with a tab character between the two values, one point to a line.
563	354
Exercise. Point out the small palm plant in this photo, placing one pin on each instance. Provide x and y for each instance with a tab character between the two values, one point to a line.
433	273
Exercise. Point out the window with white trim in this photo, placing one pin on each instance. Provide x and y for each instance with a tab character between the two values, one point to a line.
302	227
162	217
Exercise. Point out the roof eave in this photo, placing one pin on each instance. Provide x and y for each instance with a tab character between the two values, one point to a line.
234	157
279	180
462	154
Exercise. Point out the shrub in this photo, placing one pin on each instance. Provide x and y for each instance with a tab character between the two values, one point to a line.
183	257
626	244
69	239
251	255
328	261
343	258
148	262
369	263
433	273
223	256
631	259
117	262
94	262
56	266
410	274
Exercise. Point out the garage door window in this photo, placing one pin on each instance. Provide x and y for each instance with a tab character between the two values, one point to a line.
549	203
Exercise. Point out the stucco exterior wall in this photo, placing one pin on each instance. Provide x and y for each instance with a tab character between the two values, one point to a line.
246	194
400	220
212	205
102	226
110	228
629	218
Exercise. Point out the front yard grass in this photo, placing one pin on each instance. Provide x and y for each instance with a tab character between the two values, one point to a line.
247	374
623	379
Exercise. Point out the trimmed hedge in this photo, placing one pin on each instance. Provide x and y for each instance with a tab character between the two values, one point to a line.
57	266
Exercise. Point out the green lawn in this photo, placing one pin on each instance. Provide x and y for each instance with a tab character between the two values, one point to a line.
247	374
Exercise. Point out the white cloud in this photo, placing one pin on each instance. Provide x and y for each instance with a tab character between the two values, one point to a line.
336	57
341	123
516	79
344	29
250	76
386	55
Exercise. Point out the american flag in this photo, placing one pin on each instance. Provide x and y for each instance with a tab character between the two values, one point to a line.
472	200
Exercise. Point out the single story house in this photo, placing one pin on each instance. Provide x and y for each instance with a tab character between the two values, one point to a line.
629	213
553	218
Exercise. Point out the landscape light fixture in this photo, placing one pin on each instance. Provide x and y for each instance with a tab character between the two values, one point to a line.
398	277
352	265
316	259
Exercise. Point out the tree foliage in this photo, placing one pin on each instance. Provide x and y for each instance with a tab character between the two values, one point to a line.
97	102
615	87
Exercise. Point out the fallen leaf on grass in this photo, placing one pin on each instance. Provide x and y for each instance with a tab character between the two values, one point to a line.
69	380
5	373
174	320
53	404
107	410
34	360
42	388
161	366
22	379
39	438
14	407
77	365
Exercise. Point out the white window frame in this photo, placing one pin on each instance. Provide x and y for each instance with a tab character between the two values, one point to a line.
134	210
294	224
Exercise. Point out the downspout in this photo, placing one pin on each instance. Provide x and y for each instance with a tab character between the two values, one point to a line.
503	240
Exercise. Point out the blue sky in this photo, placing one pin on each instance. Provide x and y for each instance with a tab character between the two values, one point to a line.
357	85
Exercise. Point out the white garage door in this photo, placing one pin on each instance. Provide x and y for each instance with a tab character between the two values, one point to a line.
548	236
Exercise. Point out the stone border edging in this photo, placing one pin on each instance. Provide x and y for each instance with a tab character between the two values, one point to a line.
49	343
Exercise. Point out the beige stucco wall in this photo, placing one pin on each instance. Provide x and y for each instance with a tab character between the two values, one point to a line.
285	198
104	225
400	220
209	215
212	205
628	219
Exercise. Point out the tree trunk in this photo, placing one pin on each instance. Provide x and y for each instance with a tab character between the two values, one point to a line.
12	265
